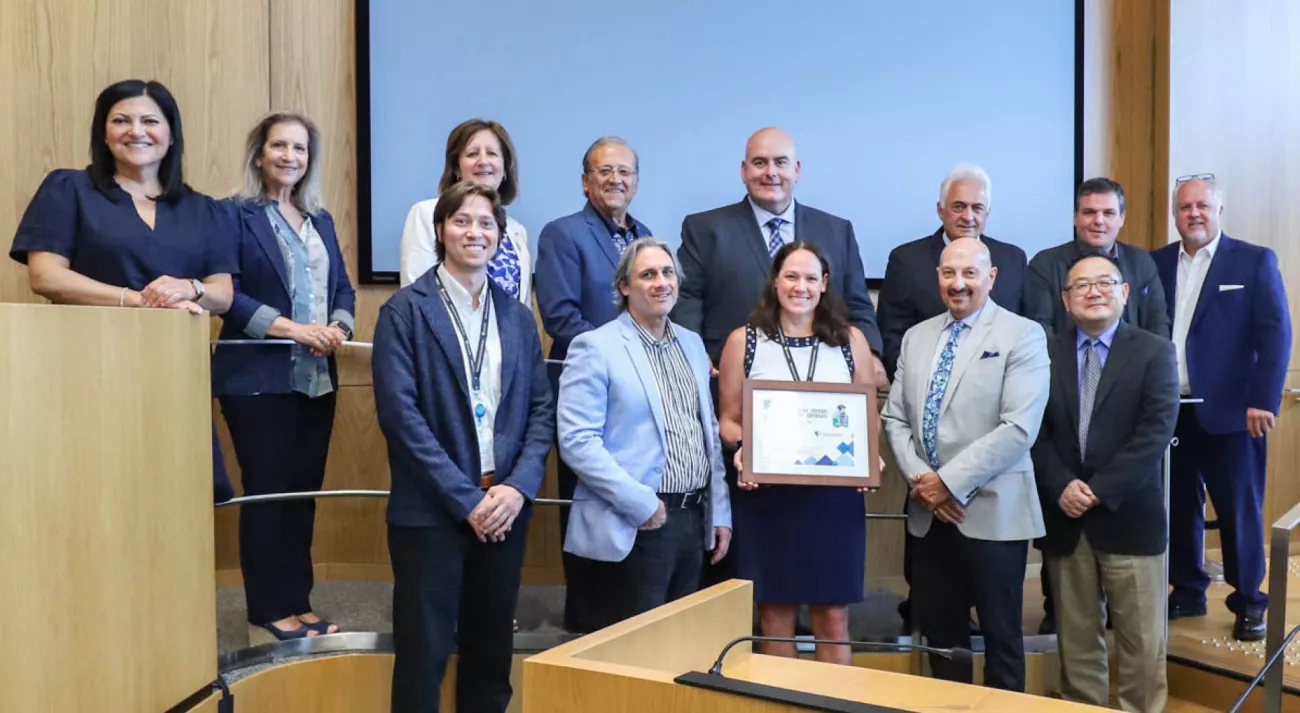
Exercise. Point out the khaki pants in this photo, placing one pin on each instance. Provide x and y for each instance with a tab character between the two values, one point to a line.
1135	588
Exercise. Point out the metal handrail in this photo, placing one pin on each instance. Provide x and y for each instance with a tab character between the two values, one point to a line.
1279	559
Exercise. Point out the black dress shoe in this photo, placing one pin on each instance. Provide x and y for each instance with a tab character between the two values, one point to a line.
1183	611
1249	626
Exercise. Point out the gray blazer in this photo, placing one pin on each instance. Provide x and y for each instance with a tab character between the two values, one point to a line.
988	421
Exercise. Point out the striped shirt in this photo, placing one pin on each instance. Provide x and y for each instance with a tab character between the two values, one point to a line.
688	468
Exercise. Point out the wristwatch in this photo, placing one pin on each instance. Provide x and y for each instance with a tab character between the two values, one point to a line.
198	289
347	333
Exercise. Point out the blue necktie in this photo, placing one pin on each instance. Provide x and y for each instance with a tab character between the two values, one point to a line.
775	242
934	396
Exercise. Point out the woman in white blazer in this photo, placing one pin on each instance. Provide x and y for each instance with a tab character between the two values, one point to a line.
480	151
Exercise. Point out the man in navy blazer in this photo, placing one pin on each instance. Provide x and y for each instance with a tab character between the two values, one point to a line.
466	460
637	424
576	256
1232	335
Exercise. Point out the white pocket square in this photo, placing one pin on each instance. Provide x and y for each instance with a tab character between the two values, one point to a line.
1229	288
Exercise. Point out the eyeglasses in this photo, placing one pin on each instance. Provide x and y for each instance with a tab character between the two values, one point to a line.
1194	177
1105	286
608	172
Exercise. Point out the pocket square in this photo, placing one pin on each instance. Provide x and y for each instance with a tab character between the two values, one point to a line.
990	355
1229	288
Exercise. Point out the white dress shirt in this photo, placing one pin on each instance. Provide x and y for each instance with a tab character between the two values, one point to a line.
1192	270
948	322
787	228
418	254
490	378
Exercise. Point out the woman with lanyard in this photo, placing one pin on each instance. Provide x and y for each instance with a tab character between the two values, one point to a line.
803	545
279	400
127	231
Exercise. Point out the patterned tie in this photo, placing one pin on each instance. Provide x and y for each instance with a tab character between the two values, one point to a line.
934	396
620	240
503	268
1088	392
775	242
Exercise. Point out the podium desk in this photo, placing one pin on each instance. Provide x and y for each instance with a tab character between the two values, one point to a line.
631	667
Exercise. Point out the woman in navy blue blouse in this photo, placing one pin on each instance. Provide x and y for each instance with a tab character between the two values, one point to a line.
126	231
279	399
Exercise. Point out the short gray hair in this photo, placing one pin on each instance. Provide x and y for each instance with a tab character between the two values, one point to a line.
1215	190
623	271
966	172
606	141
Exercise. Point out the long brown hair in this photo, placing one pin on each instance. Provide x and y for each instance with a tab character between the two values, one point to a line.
830	316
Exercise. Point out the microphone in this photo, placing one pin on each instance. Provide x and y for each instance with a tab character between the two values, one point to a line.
957	654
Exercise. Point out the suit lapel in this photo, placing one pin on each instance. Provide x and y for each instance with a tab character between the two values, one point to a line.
439	321
699	363
510	336
1066	365
641	362
933	298
970	351
924	370
259	224
755	241
1213	278
600	233
1119	346
1166	260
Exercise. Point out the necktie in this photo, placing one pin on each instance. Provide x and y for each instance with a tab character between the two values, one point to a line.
504	268
1088	392
934	396
775	242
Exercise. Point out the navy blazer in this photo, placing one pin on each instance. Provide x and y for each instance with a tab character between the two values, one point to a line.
263	280
422	400
574	276
1239	341
725	264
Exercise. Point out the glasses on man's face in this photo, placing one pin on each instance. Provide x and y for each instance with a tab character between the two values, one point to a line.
608	172
1105	286
1193	177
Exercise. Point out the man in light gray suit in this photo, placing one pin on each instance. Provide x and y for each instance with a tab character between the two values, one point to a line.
966	403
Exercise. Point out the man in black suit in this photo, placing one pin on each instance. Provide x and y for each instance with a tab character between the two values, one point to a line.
910	293
1110	415
1099	208
726	254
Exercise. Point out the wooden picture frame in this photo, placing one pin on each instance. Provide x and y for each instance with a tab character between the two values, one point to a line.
788	433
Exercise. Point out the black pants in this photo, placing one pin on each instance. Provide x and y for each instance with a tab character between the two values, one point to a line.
281	442
581	589
454	593
1231	467
952	570
664	565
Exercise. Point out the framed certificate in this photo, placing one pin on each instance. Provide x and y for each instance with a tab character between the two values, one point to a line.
810	433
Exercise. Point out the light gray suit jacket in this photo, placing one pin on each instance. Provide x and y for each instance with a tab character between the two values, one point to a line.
988	420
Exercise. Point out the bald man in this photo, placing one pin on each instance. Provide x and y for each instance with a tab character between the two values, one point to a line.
726	254
969	392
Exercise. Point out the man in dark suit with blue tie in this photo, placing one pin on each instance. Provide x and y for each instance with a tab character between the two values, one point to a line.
1232	335
576	256
726	254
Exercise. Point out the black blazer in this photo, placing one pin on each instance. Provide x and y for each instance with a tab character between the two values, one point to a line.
1046	279
1133	420
910	293
725	263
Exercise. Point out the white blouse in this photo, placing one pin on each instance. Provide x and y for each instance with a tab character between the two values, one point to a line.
418	253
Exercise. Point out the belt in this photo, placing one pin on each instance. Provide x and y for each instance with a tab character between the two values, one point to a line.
684	500
487	480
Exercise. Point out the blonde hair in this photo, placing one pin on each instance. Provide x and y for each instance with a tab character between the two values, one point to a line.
306	195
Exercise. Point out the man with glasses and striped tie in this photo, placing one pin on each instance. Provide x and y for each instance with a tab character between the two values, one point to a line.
969	391
1110	414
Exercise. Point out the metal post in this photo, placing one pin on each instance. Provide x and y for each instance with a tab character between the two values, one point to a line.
1165	466
1278	566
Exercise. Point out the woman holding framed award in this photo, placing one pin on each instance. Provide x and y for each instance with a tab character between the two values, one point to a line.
803	544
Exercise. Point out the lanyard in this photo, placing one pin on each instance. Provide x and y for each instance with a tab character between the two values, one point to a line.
789	359
475	356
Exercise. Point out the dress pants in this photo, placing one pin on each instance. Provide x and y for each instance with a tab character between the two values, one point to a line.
281	442
950	571
1134	588
664	565
581	588
1230	467
454	593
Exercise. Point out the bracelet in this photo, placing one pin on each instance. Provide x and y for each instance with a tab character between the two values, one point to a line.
121	299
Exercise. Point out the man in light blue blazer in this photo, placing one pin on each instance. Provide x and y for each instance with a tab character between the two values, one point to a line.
636	424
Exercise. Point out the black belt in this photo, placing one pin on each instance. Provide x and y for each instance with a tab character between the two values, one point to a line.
684	500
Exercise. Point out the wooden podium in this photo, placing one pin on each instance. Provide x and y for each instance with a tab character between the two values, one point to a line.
107	586
631	666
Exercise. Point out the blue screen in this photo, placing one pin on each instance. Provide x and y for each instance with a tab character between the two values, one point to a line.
882	99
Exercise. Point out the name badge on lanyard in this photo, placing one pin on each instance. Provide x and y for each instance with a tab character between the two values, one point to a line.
476	357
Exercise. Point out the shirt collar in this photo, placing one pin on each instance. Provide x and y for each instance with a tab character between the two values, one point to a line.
970	320
1105	337
1209	248
763	216
649	338
614	228
947	240
459	295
